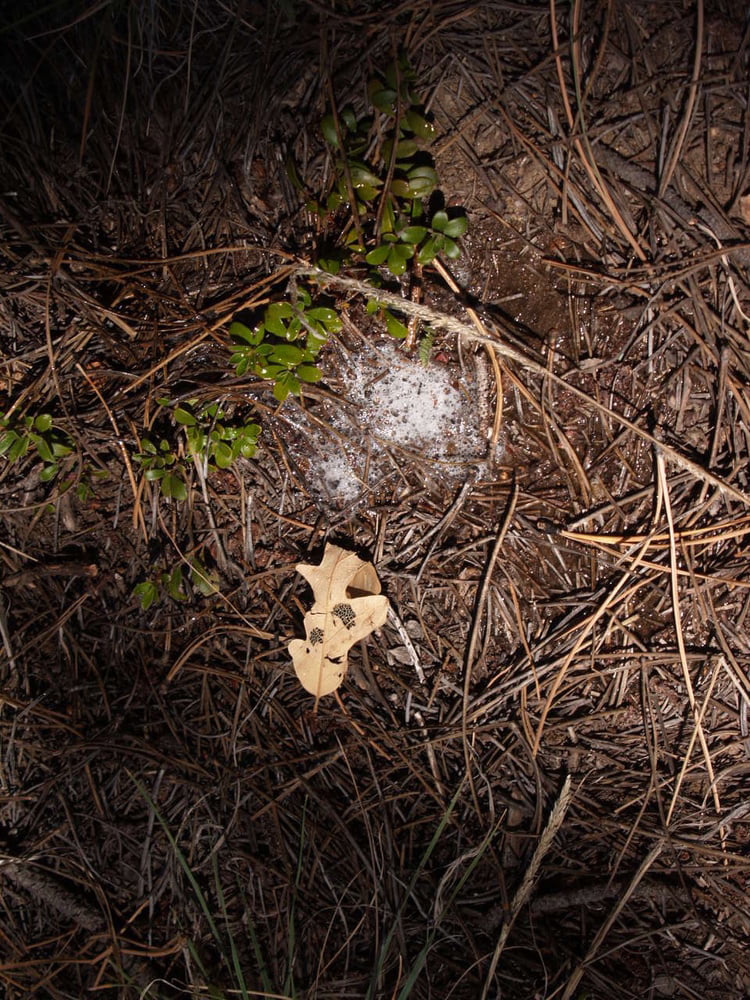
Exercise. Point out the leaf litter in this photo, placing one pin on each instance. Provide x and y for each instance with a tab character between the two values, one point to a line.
599	634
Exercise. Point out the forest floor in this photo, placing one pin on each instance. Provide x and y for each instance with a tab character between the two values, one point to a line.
533	780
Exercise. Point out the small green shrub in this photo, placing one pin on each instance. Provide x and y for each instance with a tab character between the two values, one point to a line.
208	435
172	583
383	210
22	434
390	194
283	346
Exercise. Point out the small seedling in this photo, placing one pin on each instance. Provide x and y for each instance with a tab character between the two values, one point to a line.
172	584
210	438
20	435
283	346
394	223
161	465
215	441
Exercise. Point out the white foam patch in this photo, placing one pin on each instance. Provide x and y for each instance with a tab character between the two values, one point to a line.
415	406
400	403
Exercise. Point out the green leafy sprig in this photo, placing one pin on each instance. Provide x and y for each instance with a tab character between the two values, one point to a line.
283	346
19	436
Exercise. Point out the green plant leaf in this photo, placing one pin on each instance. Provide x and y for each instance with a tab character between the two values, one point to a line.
396	265
147	593
173	584
422	181
429	251
394	326
173	487
456	226
275	315
451	249
266	370
286	354
440	221
239	331
43	449
402	251
328	128
328	317
309	373
18	448
43	423
419	125
185	417
384	99
349	118
285	384
48	473
207	583
330	264
7	440
379	255
413	234
223	455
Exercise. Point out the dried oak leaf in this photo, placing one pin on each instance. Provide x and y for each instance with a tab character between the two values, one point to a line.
348	606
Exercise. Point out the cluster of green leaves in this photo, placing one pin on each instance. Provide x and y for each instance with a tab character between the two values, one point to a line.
161	465
19	435
283	346
173	582
394	221
214	441
208	436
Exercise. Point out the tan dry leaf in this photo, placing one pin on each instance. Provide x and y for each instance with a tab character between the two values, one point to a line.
348	606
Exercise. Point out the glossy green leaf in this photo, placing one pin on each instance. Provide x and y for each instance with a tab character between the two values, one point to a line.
349	118
330	264
223	455
309	373
8	439
328	317
239	331
362	176
185	417
451	249
147	593
456	226
396	265
207	583
429	251
384	99
395	327
413	234
18	448
173	583
378	255
275	316
173	487
43	448
419	125
43	423
48	473
440	221
328	128
286	354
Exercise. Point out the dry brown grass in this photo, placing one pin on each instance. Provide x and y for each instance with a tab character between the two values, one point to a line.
579	611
